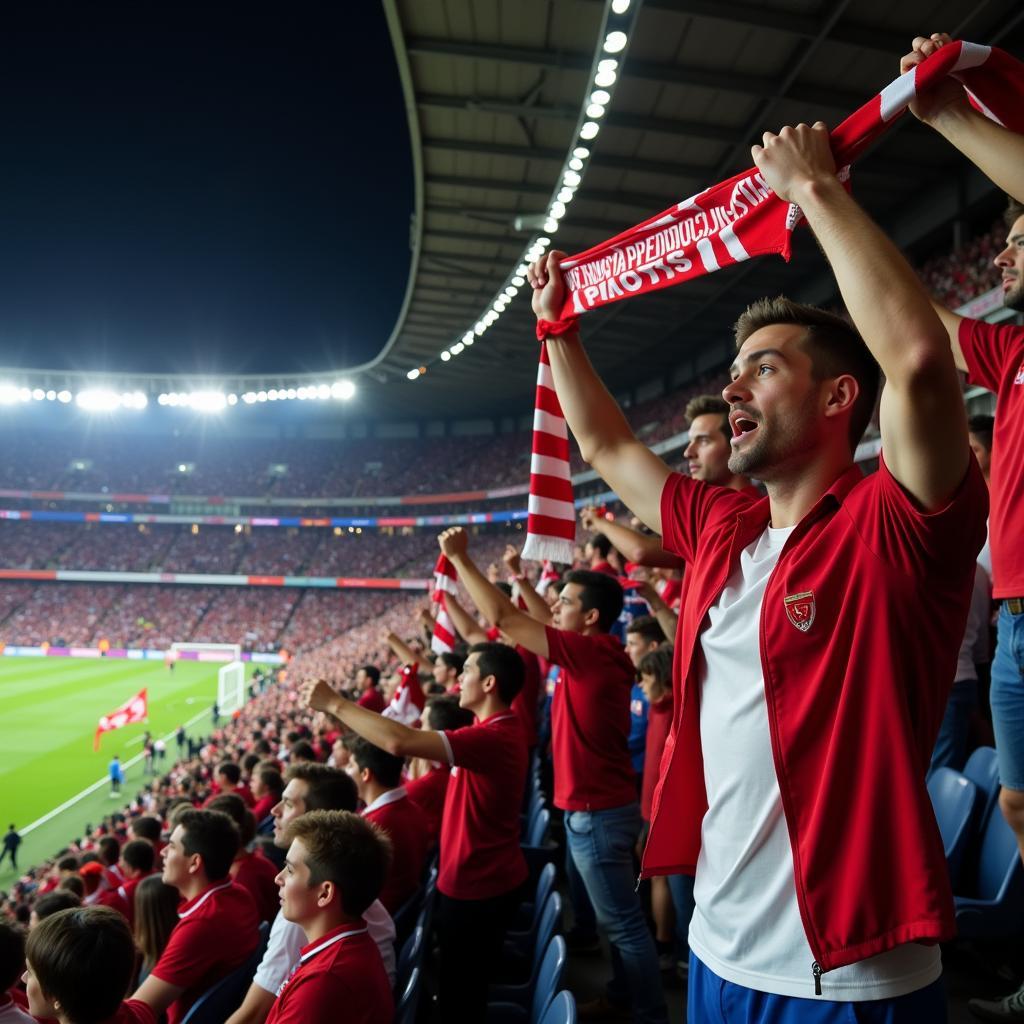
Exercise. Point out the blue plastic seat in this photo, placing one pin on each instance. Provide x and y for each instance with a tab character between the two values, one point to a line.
221	1000
561	1010
408	1004
549	978
982	769
993	904
953	798
530	911
538	833
550	925
410	956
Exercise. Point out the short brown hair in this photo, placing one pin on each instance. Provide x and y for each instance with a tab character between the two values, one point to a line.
648	627
833	345
1014	211
346	849
214	836
85	960
709	405
327	789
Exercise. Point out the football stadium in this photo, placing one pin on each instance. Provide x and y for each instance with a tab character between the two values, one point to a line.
512	519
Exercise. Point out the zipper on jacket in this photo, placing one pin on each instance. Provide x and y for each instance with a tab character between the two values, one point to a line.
816	971
639	879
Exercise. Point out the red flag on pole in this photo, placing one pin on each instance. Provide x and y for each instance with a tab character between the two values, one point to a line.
135	709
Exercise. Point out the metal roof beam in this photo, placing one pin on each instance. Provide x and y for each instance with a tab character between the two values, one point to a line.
651	71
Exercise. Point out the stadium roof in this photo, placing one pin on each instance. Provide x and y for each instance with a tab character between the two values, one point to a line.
495	93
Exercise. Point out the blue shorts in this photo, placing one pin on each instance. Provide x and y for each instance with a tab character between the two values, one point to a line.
710	1000
1007	698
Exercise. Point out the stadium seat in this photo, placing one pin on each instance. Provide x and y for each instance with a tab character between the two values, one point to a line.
994	904
529	912
549	977
538	833
550	925
953	798
219	1001
405	1012
561	1010
982	769
405	916
410	956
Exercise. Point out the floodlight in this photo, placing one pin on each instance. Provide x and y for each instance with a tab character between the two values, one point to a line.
343	389
413	374
64	397
589	130
615	42
98	400
595	110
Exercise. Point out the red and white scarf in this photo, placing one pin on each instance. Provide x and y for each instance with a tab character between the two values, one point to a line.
409	700
722	225
445	577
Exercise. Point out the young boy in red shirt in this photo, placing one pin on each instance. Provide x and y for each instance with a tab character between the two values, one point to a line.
79	964
335	867
482	865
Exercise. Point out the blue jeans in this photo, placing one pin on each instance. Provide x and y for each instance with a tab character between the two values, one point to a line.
951	743
711	1000
1007	698
601	844
681	888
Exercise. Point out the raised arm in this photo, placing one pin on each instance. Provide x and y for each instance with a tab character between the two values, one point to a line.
606	442
495	607
667	619
923	422
535	604
641	548
382	732
994	150
405	654
465	625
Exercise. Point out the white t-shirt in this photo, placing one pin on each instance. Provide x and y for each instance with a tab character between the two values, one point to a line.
746	926
286	940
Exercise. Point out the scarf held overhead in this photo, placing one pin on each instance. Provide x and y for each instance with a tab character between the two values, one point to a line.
443	638
722	225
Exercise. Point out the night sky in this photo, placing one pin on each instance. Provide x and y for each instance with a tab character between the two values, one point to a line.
200	186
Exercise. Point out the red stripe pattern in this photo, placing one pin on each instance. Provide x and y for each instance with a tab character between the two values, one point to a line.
551	523
445	578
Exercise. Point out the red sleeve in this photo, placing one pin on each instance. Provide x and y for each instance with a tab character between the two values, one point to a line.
687	506
990	351
183	962
941	544
572	651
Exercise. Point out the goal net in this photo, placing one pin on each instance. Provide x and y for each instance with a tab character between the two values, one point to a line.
230	677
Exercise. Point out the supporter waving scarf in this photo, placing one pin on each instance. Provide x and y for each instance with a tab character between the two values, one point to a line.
722	225
445	576
409	700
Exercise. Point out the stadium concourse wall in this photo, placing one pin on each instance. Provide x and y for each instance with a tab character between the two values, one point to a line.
131	653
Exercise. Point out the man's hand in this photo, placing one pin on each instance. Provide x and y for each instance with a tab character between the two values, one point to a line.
454	542
948	95
794	158
426	617
386	636
512	560
318	695
548	286
493	572
589	518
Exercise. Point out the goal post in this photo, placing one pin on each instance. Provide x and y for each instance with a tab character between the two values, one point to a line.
231	692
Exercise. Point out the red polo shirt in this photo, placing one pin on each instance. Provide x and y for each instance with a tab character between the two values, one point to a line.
659	722
263	806
428	792
216	932
590	722
860	626
257	874
339	977
407	826
995	360
480	853
372	699
133	1011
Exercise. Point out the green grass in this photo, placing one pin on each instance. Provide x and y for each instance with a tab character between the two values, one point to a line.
49	708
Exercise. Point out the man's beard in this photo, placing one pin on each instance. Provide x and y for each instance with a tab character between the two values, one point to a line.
1014	298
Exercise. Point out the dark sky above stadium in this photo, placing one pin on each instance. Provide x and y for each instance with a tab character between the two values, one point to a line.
208	186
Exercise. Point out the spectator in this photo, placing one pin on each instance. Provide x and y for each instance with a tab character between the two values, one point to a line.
267	787
441	714
155	913
217	927
336	866
12	964
481	863
137	860
52	903
79	966
310	787
249	870
116	772
367	682
378	778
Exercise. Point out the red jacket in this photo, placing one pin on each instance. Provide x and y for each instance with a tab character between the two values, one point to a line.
860	626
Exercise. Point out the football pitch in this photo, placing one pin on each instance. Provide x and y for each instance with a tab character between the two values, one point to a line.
49	708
